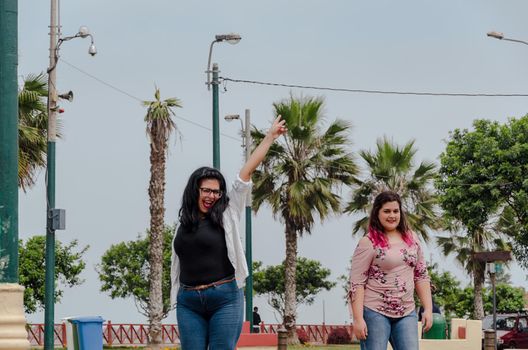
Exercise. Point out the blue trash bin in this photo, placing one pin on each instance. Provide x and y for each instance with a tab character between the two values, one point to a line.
89	332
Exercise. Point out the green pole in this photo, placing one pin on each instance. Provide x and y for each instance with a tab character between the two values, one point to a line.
49	284
8	142
249	280
249	248
216	126
49	296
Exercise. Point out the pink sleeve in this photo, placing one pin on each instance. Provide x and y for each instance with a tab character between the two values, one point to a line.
420	271
361	261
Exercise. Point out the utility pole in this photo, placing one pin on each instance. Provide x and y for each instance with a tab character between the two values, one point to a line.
216	126
249	255
13	334
49	293
492	273
246	145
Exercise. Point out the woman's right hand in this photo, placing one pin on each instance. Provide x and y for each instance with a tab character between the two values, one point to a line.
360	329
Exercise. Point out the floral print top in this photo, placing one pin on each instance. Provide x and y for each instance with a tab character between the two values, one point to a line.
388	276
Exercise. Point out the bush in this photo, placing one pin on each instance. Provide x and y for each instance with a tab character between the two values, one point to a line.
339	336
302	336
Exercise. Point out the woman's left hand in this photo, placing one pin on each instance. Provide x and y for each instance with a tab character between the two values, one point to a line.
278	128
427	320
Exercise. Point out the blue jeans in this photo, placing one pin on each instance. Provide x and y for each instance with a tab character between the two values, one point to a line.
402	332
210	318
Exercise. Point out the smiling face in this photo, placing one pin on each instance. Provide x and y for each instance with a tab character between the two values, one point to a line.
209	193
389	216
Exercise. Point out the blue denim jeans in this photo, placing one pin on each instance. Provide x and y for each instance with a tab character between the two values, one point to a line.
210	318
402	332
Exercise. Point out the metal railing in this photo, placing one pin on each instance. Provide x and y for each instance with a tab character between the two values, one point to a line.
135	334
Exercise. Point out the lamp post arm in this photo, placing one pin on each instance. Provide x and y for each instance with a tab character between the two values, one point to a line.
208	71
516	41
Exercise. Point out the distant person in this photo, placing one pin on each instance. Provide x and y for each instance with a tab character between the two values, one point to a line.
436	309
387	266
208	263
256	320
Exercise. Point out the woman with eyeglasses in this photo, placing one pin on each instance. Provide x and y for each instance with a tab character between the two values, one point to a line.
208	263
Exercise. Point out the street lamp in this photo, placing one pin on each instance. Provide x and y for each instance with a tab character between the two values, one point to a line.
246	143
500	36
232	39
55	218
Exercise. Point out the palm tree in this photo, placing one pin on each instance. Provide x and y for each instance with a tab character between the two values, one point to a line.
32	129
300	178
159	128
464	246
391	167
494	236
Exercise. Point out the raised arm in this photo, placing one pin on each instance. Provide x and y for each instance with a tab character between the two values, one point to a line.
277	129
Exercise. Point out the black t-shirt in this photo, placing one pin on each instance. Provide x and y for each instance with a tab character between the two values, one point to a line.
202	254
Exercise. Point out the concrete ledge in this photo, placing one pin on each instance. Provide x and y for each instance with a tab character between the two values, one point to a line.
13	333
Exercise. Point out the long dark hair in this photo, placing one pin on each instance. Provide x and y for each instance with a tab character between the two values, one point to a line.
189	212
376	230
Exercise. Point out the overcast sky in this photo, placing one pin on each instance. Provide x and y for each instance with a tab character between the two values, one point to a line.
102	161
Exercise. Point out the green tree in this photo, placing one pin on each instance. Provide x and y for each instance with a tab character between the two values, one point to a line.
32	129
68	267
465	306
392	167
470	194
124	271
508	174
159	128
311	278
447	290
508	299
300	178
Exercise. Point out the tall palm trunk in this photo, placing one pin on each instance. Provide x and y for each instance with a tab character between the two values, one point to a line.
290	284
157	213
478	282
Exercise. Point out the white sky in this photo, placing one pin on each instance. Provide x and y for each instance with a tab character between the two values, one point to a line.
102	162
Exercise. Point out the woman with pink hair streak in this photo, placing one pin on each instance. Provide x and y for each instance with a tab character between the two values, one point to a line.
387	267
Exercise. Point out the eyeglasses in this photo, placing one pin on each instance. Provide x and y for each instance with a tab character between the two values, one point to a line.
209	191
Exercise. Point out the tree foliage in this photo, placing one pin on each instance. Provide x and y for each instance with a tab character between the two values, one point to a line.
32	129
392	167
32	270
475	190
490	164
508	298
311	278
457	301
124	271
160	126
447	290
301	179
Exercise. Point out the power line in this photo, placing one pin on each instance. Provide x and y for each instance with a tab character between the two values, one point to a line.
307	87
102	81
121	91
380	92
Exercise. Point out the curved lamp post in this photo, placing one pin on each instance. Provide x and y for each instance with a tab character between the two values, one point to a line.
232	39
500	36
55	218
